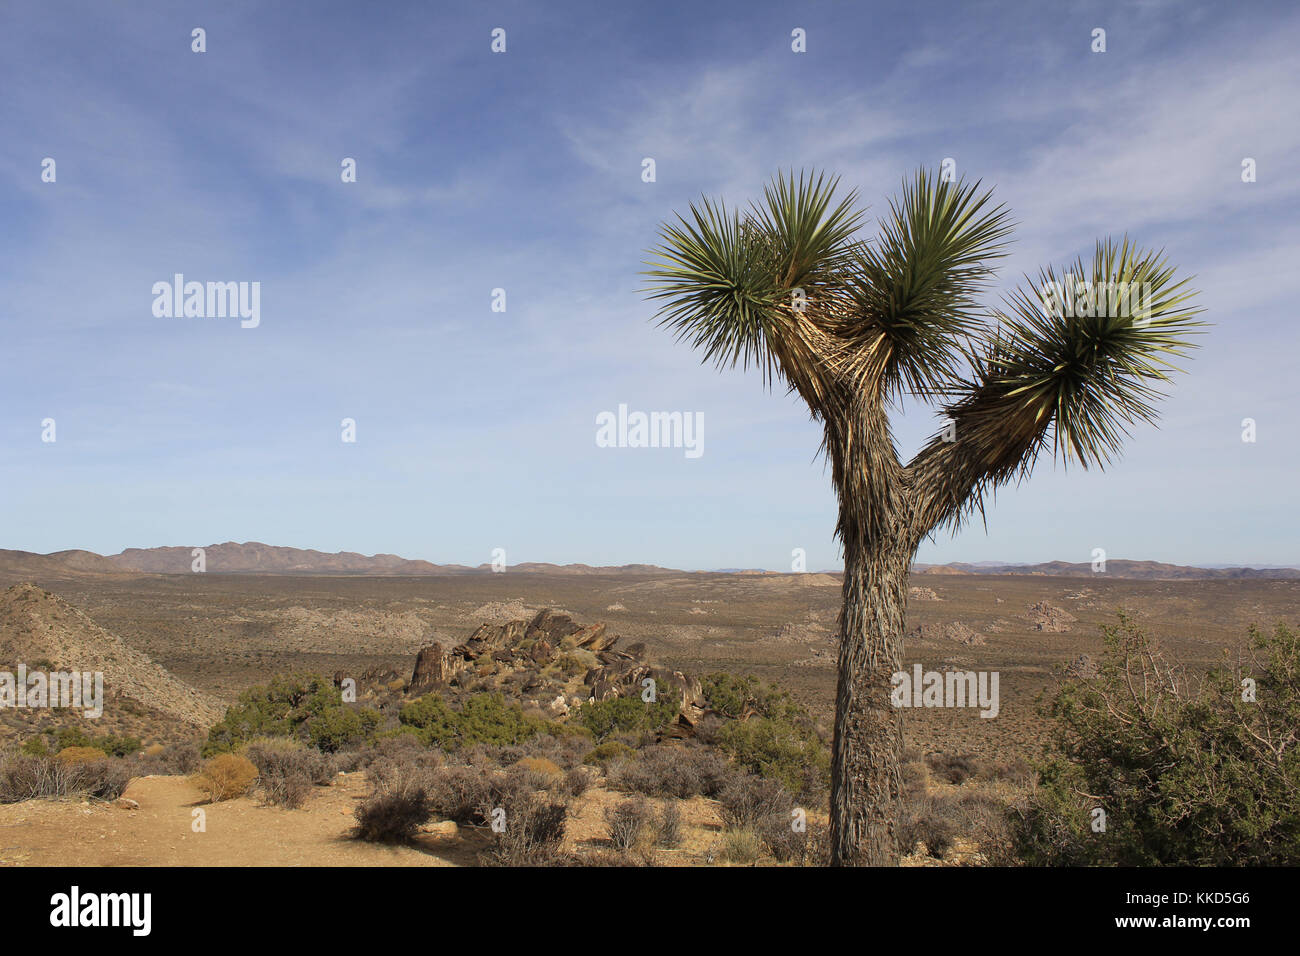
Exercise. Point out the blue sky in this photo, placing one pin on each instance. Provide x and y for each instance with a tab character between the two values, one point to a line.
522	171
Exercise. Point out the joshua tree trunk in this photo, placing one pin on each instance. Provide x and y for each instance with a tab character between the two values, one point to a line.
866	788
866	780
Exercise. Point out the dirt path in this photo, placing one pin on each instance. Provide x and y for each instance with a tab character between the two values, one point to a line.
239	832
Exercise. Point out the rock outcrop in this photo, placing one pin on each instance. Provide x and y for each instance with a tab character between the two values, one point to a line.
1049	618
564	663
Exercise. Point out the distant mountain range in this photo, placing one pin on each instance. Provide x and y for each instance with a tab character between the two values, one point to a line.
1137	570
255	558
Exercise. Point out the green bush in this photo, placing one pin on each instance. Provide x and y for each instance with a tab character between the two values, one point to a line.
1186	771
734	697
628	715
604	753
789	752
63	737
431	720
341	726
482	719
277	709
488	719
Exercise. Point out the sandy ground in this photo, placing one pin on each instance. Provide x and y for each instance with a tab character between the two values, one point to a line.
243	832
239	832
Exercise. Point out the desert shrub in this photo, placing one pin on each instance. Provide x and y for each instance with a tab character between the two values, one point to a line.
487	718
71	755
986	820
954	768
398	803
63	738
789	752
277	709
786	841
572	664
708	730
576	782
567	750
348	761
664	771
751	801
668	827
342	726
176	758
914	776
605	752
930	824
808	845
1187	772
459	793
542	773
28	777
628	715
482	719
398	747
432	720
225	777
628	822
391	816
108	780
287	775
1017	771
736	697
531	827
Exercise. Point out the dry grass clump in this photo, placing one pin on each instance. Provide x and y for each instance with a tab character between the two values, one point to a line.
668	827
225	777
541	772
741	846
75	755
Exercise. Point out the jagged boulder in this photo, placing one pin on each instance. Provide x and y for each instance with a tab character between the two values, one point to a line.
595	638
433	669
491	637
550	626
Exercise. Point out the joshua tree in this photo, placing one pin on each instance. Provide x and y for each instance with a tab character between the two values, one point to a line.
853	327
